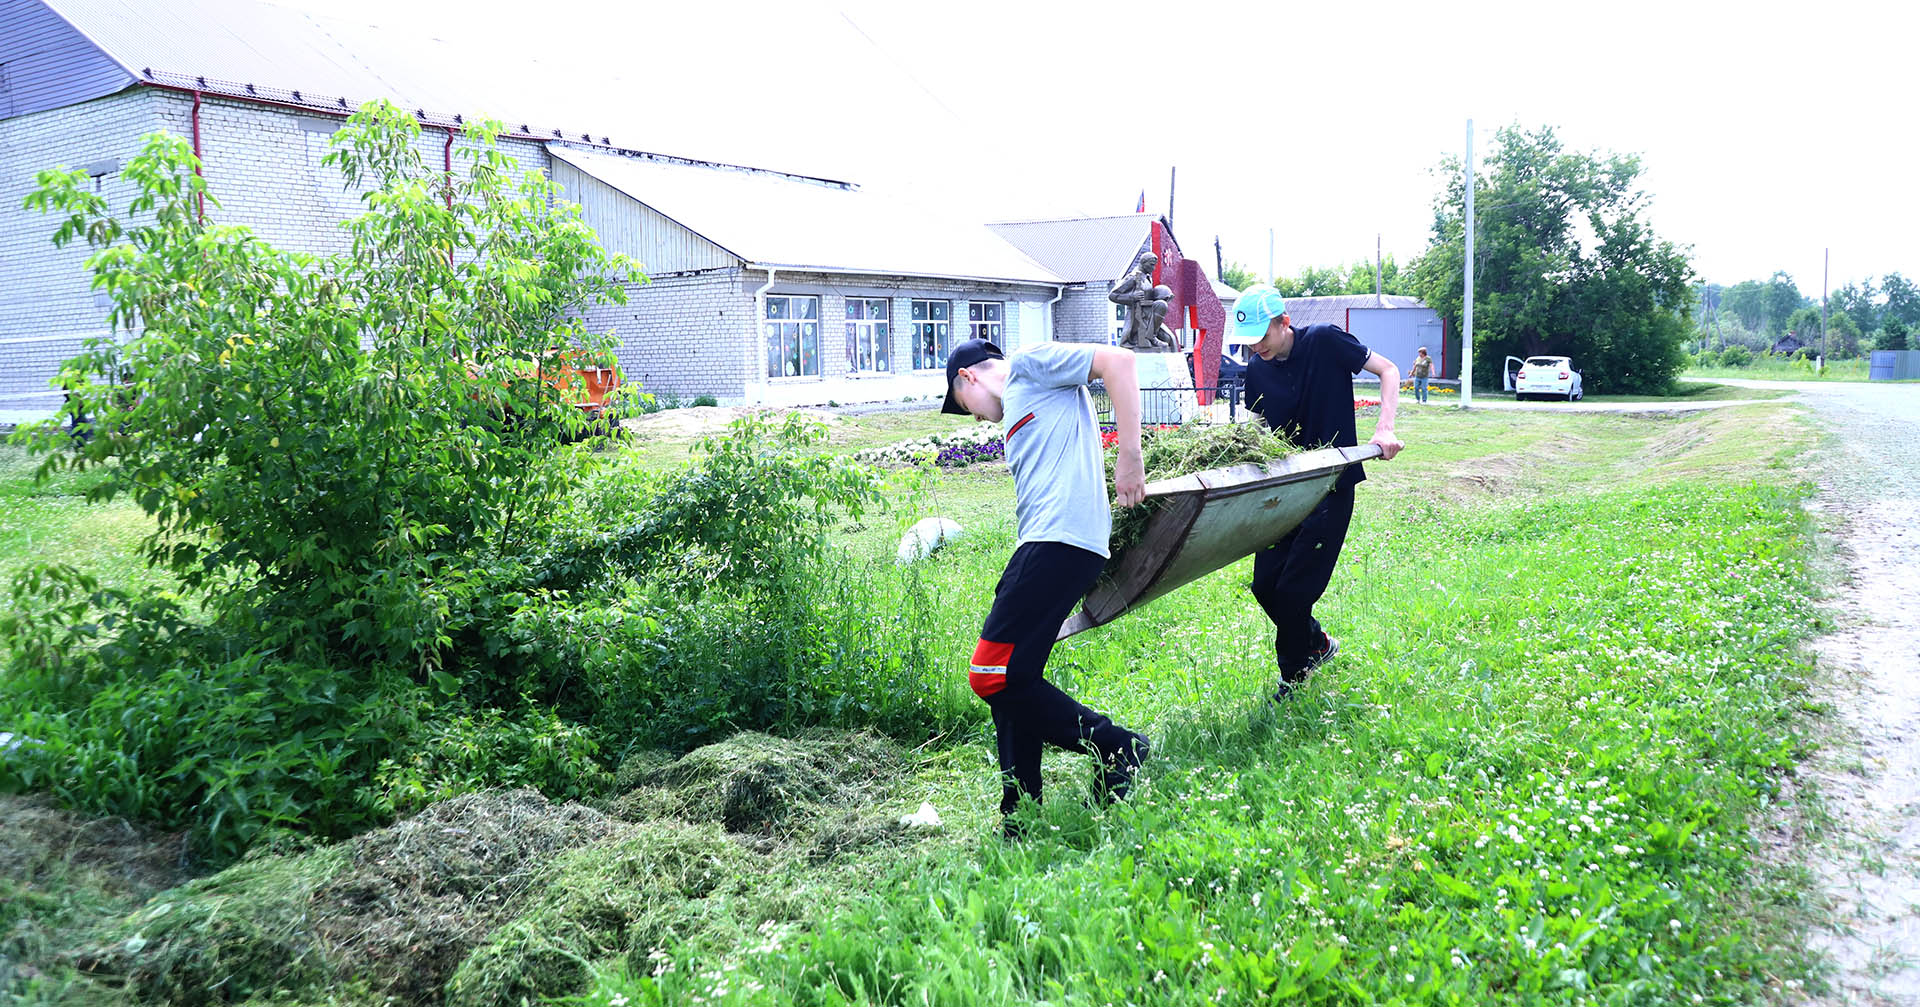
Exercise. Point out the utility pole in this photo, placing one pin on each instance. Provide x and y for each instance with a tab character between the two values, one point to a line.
1376	270
1466	324
1826	260
1219	264
1171	171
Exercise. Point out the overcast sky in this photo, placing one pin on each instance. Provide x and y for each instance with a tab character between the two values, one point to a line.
1768	132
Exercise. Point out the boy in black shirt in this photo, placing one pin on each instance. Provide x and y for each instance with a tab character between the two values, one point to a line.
1301	382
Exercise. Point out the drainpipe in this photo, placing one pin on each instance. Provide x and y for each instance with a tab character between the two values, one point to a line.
199	198
1058	292
760	314
448	157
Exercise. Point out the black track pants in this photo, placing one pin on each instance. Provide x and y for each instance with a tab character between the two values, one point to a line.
1042	583
1290	576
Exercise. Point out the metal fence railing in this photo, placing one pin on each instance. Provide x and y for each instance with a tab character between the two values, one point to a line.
1176	405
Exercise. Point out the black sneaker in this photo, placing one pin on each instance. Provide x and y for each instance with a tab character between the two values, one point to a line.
1291	677
1328	651
1117	780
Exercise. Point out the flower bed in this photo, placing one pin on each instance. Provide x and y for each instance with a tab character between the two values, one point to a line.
958	448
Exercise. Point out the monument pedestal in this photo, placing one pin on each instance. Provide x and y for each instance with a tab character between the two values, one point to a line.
1166	387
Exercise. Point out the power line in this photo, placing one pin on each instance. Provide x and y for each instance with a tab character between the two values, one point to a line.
902	67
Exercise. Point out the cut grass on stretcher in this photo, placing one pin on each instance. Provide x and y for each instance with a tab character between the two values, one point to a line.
1178	451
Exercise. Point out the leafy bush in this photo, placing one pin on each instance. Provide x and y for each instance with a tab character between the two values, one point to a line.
753	504
348	461
1736	356
147	728
340	499
705	400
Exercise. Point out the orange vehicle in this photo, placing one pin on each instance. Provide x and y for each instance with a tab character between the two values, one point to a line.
588	387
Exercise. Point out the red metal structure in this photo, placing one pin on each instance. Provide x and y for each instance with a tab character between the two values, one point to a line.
1194	306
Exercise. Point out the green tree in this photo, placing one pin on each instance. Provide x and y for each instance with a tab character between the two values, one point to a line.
1564	264
1903	299
1239	277
1804	325
1844	338
1859	302
337	451
1841	340
1354	278
1313	281
1894	336
1765	307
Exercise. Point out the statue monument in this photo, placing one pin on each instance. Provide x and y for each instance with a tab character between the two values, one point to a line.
1146	309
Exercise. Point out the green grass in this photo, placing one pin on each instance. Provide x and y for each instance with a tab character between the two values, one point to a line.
1697	391
1569	674
52	521
1783	369
1529	778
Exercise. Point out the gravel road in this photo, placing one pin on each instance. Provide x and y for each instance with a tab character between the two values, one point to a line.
1868	471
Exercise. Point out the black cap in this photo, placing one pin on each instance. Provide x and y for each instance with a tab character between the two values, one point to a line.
966	355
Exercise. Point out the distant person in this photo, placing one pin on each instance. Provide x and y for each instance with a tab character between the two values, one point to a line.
1422	370
1039	397
1300	381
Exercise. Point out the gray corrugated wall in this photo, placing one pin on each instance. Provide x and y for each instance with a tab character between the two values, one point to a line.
45	63
626	225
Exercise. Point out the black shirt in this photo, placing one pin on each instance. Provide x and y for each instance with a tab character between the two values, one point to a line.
1308	397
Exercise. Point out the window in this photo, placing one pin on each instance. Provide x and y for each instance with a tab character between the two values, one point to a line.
1119	330
793	336
867	343
932	334
984	320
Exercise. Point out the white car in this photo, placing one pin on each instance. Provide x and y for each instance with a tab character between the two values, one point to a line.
1547	378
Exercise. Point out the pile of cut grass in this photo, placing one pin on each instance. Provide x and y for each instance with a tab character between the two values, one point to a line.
395	910
1184	450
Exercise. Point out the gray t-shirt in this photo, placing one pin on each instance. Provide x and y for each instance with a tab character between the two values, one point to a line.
1053	447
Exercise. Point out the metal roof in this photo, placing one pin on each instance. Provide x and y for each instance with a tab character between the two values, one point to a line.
787	221
1332	310
1081	249
258	51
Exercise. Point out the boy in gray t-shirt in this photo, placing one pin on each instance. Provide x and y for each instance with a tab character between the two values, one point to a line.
1039	396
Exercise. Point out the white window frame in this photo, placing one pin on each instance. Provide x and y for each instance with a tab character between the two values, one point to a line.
993	330
924	325
789	329
864	342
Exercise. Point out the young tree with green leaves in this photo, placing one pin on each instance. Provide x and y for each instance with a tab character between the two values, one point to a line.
1565	263
337	450
1239	276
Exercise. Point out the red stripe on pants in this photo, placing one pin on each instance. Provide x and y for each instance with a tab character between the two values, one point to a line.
989	672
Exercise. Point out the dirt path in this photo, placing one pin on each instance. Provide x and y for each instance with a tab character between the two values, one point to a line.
1868	861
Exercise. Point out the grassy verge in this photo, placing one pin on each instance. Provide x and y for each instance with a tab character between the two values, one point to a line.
1569	676
1697	391
1778	369
1530	777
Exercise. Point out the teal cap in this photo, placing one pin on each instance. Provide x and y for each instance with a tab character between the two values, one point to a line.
1252	310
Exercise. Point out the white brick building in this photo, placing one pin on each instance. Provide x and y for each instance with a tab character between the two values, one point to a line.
766	286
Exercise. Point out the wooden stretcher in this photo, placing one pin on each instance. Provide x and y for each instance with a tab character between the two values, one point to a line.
1208	520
